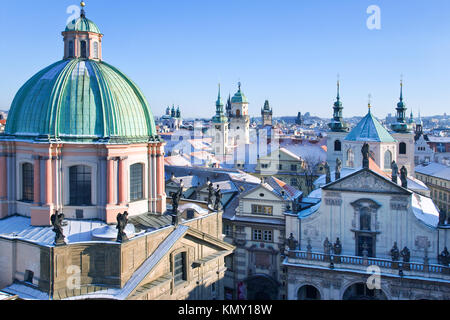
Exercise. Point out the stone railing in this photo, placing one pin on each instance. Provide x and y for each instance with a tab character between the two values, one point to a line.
294	255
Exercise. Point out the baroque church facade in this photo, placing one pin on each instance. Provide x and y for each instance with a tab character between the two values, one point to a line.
362	234
80	147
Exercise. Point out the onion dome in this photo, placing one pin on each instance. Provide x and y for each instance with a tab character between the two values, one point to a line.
401	125
337	123
239	96
219	117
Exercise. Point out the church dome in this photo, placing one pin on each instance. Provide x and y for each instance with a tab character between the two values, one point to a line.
82	24
81	100
239	96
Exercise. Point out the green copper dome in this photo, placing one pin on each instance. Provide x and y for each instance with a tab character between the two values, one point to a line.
82	24
82	101
239	96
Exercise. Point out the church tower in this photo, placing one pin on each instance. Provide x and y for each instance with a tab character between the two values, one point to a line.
338	132
266	115
220	129
402	131
239	119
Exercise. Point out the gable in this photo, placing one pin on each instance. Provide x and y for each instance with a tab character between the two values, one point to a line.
260	193
368	182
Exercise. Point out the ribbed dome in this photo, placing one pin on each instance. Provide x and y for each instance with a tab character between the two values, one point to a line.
82	24
83	101
239	97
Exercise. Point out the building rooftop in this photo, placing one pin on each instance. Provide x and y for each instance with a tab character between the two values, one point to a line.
434	169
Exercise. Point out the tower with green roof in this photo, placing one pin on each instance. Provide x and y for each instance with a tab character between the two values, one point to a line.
336	134
403	132
239	119
266	115
220	129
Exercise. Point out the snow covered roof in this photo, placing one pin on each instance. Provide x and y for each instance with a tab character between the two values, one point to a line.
425	210
18	227
435	170
282	189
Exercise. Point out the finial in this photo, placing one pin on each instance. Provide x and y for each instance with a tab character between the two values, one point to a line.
370	101
219	90
83	13
239	85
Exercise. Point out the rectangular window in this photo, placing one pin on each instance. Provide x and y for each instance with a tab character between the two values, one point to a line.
27	182
259	209
80	185
136	182
262	235
293	167
280	167
179	268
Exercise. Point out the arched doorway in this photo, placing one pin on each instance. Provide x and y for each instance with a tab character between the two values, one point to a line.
308	293
261	287
360	291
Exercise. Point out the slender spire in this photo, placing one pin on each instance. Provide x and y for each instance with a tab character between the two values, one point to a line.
338	85
370	102
219	100
401	89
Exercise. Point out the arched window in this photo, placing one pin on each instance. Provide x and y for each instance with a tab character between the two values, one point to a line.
402	148
83	49
387	159
136	182
71	49
337	145
364	219
27	182
308	293
80	185
350	158
96	50
238	113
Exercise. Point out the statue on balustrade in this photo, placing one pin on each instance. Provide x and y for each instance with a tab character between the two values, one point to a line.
444	257
57	222
394	169
395	253
337	247
326	246
337	172
406	254
327	173
291	242
122	221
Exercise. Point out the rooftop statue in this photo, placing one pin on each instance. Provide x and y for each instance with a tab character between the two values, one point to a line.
327	172
394	168
395	253
403	177
218	195
337	173
122	221
57	220
406	254
365	155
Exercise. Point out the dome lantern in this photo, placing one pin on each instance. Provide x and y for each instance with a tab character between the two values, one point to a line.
82	38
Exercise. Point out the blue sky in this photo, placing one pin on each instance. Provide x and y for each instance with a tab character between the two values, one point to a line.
286	51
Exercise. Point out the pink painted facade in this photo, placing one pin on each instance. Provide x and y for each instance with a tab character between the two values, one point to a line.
109	167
